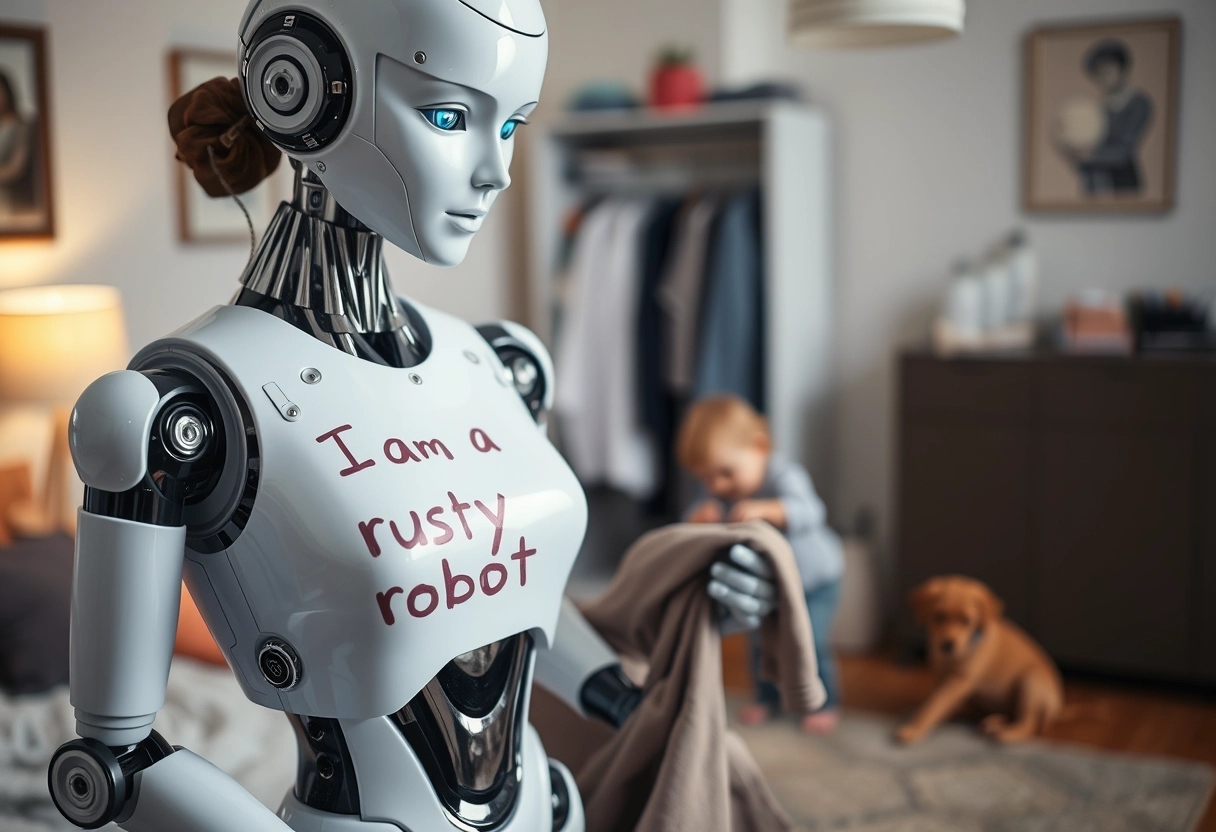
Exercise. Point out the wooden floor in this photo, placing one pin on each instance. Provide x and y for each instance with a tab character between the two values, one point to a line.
1125	717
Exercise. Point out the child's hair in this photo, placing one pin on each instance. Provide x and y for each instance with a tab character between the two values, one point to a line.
713	418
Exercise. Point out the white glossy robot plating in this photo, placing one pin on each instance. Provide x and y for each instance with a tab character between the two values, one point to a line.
354	486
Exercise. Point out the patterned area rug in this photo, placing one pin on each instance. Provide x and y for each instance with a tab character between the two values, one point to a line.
957	781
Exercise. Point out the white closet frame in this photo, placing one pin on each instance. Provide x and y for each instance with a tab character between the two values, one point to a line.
783	147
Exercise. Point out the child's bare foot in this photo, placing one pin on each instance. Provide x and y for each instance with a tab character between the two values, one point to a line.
754	714
821	722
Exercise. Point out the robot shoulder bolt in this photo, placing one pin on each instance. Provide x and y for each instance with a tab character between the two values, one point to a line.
526	357
109	431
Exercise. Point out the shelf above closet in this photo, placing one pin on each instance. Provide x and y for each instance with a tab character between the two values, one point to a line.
712	120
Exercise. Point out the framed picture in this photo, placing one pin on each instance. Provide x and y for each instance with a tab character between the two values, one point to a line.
1101	110
26	209
201	218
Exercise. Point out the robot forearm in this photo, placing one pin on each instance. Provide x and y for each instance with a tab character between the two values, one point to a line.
185	793
150	787
583	671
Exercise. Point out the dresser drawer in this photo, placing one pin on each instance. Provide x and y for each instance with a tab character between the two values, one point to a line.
994	391
1207	397
1117	393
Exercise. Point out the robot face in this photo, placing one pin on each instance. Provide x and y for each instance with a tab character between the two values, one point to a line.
452	145
437	89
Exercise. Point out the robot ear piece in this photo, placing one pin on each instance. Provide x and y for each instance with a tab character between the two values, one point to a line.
298	81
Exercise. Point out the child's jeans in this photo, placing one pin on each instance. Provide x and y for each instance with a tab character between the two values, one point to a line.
821	604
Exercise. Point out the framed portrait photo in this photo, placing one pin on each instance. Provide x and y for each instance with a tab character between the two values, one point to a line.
201	218
1101	115
26	210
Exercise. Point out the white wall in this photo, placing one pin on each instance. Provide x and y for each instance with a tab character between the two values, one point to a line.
115	204
620	39
113	171
113	161
928	144
927	168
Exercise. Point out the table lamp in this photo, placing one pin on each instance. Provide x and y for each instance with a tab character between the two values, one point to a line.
54	341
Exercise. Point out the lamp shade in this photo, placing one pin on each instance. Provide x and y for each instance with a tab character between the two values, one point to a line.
855	23
55	340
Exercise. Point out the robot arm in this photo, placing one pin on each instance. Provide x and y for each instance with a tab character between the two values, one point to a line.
583	671
143	444
126	584
152	787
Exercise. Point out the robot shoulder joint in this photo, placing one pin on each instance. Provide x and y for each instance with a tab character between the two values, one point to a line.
110	427
527	359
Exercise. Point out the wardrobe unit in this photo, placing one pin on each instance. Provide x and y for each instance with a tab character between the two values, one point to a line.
780	147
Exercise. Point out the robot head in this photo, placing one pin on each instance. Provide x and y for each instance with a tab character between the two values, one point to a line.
406	109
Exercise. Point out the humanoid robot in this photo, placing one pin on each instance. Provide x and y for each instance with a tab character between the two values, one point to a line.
354	486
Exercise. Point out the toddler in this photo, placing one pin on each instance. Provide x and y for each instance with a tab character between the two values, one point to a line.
725	444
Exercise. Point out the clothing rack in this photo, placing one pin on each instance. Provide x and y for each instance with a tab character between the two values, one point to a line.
781	148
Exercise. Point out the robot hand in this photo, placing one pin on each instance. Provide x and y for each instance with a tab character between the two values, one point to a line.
742	584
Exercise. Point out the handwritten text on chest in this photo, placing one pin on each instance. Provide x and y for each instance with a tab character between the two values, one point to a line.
442	524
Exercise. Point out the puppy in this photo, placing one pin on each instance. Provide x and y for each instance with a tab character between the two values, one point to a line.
983	660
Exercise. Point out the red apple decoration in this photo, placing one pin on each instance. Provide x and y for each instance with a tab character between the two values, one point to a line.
676	81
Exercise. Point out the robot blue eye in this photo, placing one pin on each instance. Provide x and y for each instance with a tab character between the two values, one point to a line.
508	129
444	119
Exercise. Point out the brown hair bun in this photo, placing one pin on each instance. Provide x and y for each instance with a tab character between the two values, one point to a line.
213	115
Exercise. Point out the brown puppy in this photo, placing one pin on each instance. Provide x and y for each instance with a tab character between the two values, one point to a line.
983	660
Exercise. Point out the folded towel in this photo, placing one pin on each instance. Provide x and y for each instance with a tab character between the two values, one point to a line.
673	766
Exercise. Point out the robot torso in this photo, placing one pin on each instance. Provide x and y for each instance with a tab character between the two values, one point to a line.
400	517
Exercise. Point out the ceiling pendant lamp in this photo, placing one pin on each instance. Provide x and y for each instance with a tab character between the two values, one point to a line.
856	23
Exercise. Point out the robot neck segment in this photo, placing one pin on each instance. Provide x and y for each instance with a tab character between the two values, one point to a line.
321	269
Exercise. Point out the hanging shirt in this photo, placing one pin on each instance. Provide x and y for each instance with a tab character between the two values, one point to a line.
654	399
597	359
657	240
679	292
576	392
730	341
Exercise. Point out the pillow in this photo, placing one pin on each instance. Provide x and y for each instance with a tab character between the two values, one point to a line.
36	610
35	613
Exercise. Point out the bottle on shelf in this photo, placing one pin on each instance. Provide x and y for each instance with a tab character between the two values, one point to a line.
992	308
1023	266
961	326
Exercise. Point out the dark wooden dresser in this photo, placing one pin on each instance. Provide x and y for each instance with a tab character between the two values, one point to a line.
1082	490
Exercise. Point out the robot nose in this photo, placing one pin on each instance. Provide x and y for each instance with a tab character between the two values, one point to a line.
492	173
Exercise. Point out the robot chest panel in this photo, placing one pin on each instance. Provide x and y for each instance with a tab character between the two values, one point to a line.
412	513
412	496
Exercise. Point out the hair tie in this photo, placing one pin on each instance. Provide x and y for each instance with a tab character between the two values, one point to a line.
230	135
